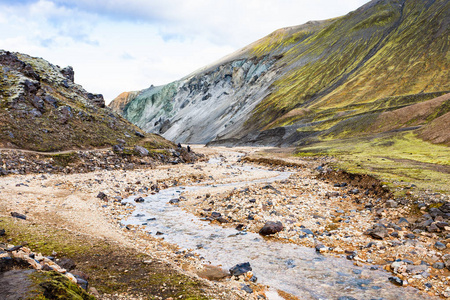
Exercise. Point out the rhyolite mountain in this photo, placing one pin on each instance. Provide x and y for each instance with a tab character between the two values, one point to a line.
349	76
42	108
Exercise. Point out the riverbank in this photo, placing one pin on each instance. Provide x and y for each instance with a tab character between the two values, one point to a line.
315	205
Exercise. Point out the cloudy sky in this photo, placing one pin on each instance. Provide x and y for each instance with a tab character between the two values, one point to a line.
124	45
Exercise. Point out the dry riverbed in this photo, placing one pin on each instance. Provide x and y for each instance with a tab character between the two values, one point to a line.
337	213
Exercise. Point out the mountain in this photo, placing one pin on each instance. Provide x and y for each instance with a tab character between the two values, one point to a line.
41	108
336	78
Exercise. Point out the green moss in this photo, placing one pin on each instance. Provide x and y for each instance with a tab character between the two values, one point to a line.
65	159
400	157
112	269
54	286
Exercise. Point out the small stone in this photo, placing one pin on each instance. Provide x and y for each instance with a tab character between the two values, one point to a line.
402	221
306	232
18	215
247	288
2	232
321	248
141	151
102	196
446	259
346	298
378	231
240	269
139	200
410	236
391	203
440	246
395	280
67	263
438	265
174	201
271	228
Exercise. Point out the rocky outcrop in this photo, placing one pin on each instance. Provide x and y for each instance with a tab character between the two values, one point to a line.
330	78
42	108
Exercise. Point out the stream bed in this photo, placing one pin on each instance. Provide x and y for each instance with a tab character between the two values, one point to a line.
298	270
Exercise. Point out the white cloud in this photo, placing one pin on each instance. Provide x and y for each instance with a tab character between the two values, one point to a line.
120	45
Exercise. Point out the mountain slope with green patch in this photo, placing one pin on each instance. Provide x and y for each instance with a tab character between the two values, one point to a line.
321	80
42	109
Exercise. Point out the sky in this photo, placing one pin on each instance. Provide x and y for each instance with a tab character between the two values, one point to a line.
126	45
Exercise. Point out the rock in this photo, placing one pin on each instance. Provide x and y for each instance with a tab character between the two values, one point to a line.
121	141
433	228
438	265
2	232
271	228
139	200
118	148
174	201
410	236
240	269
434	212
391	203
395	280
97	99
82	283
402	221
321	248
141	150
138	134
67	263
215	215
93	291
446	259
306	232
346	298
18	215
247	288
211	272
441	225
102	196
440	246
69	73
445	208
378	231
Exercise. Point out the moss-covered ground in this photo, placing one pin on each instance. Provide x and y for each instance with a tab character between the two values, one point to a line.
399	159
111	269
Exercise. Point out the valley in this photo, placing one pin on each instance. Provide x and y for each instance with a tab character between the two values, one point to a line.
338	214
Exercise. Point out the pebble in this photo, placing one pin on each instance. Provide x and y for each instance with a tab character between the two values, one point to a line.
440	246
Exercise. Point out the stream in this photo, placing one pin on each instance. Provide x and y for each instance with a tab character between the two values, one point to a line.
294	269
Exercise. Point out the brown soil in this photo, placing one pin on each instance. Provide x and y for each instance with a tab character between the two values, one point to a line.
413	115
437	131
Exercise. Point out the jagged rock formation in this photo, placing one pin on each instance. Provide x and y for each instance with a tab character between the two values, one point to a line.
322	79
41	108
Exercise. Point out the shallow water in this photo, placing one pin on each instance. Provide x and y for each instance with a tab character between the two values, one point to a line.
288	267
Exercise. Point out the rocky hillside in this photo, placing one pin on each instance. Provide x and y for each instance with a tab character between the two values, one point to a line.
42	108
329	79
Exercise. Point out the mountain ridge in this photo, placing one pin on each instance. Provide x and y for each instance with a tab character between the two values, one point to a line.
319	73
43	109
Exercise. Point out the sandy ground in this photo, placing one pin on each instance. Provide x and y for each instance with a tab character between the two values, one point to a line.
71	202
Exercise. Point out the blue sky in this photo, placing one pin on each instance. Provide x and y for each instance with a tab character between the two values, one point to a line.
124	45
